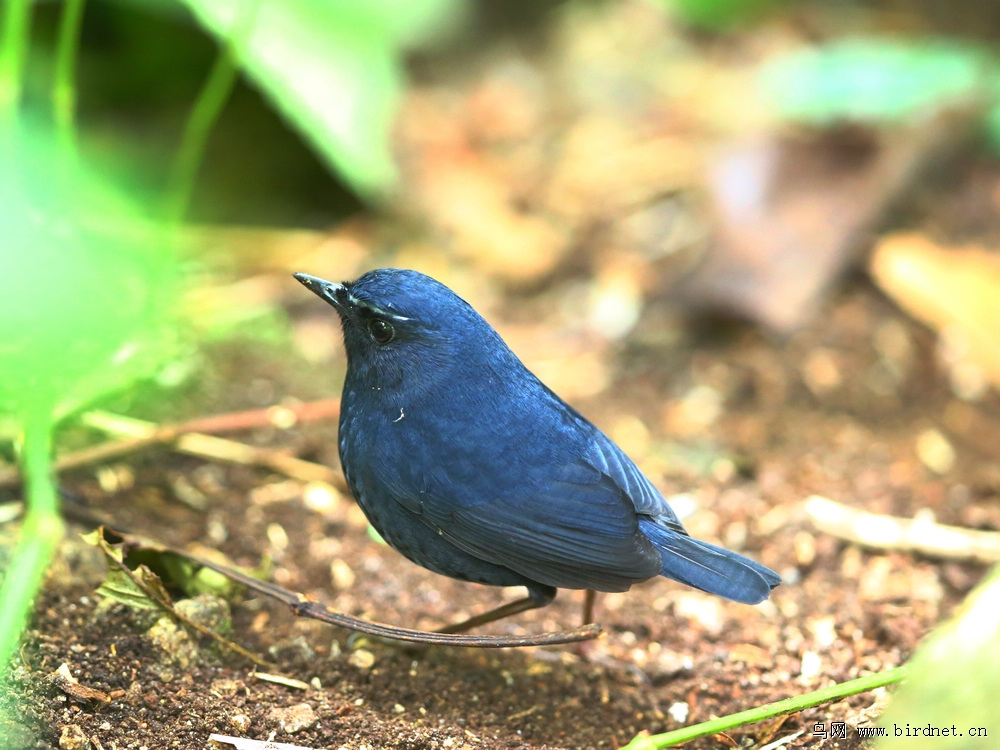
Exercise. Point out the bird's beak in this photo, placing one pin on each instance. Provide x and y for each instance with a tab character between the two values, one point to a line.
335	294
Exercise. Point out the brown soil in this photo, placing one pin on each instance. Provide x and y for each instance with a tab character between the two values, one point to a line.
854	611
749	426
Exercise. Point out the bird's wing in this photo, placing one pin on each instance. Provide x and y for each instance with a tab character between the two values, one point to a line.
611	461
569	526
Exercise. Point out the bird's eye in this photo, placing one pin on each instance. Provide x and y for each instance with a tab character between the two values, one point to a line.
380	331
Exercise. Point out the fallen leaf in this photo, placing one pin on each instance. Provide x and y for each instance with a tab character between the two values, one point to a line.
955	291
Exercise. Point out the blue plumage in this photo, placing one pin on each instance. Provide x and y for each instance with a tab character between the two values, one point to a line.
470	466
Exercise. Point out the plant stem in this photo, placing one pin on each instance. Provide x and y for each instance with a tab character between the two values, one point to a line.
212	98
15	33
63	85
40	534
787	706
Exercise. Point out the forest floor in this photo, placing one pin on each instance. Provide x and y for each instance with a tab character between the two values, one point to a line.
670	655
575	253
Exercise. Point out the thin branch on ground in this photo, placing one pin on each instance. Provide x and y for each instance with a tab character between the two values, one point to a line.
911	535
116	558
191	437
303	607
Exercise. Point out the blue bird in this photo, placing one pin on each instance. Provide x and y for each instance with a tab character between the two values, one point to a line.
468	465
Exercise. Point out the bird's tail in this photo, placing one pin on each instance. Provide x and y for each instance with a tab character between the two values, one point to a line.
709	568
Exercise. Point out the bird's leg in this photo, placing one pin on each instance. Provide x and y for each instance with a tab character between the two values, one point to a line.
588	606
538	596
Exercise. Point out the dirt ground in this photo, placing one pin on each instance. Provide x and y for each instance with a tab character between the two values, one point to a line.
738	426
669	654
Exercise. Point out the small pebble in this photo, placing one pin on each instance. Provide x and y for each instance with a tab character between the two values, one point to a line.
73	738
701	608
824	630
277	536
679	712
240	722
322	498
176	645
294	718
362	659
935	451
342	575
812	667
805	548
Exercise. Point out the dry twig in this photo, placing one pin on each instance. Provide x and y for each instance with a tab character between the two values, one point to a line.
189	437
303	607
912	535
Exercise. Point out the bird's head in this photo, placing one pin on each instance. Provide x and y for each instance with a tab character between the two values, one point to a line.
398	322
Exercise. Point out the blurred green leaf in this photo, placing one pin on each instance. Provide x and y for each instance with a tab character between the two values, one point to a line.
86	286
120	587
406	22
874	79
191	578
954	681
333	68
718	15
208	581
263	323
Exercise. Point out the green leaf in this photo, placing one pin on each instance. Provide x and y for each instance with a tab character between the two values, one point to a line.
86	286
194	579
333	69
873	79
119	587
718	15
954	681
85	292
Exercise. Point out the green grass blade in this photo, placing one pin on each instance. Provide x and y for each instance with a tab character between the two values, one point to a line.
15	33
64	80
333	70
787	706
40	535
204	114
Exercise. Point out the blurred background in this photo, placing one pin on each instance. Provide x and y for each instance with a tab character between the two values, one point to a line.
755	242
